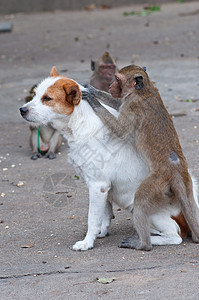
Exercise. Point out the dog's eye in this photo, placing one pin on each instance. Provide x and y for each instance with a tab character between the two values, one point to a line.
46	98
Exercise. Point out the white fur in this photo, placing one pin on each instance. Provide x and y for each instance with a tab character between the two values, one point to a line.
111	168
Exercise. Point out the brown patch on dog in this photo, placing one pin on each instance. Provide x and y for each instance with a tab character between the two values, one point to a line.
62	96
182	223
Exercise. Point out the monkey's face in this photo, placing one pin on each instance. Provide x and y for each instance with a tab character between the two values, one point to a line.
106	72
129	80
116	87
55	97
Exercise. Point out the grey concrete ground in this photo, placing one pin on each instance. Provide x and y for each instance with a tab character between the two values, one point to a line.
37	215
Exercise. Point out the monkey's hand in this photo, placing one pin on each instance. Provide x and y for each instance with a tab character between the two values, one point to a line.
109	120
90	88
104	97
85	94
92	100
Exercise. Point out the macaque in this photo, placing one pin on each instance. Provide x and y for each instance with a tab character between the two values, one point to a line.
104	69
44	140
144	122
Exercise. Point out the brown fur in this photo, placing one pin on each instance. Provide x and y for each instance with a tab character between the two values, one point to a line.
144	121
104	69
67	94
182	223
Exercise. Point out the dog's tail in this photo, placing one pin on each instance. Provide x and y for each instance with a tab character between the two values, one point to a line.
189	206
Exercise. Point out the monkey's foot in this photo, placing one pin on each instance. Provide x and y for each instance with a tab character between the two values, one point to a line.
36	155
83	245
194	238
50	155
133	242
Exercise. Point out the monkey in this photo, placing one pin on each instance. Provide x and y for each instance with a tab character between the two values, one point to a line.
104	69
44	140
145	123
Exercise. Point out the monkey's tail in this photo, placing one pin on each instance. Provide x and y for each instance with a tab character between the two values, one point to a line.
189	207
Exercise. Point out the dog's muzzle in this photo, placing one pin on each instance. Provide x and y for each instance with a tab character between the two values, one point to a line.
23	111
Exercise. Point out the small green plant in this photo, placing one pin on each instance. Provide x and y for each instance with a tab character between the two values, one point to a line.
144	12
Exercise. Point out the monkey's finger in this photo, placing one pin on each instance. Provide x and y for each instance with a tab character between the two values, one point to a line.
85	95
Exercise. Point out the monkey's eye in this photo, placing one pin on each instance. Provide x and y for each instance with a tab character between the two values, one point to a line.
116	78
46	98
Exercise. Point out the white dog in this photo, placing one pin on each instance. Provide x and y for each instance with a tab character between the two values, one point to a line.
110	167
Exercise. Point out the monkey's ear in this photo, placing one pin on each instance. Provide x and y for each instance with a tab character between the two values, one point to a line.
54	72
139	83
92	65
73	94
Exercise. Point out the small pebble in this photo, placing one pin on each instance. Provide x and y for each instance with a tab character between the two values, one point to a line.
20	183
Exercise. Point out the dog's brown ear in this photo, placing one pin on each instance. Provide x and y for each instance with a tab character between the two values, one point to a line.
54	72
73	93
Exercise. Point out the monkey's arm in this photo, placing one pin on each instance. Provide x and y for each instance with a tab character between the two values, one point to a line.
119	127
104	97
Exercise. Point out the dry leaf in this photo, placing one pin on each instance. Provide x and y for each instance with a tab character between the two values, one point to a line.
30	245
105	280
90	7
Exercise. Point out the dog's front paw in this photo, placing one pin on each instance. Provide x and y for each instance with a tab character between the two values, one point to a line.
82	246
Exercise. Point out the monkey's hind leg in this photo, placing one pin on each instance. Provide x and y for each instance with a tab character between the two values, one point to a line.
146	202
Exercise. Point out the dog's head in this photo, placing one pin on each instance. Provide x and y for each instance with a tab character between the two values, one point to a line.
55	96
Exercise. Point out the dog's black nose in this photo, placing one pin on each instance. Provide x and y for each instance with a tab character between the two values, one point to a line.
23	110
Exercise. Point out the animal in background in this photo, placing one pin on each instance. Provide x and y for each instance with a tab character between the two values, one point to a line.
44	140
103	69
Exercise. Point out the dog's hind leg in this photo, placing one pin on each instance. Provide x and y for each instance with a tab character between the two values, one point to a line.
98	193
